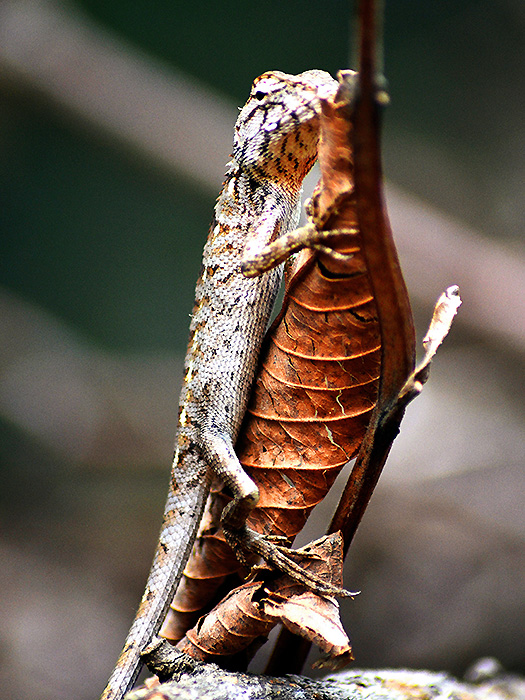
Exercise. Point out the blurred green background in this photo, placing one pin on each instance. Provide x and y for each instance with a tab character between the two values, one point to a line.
99	252
97	237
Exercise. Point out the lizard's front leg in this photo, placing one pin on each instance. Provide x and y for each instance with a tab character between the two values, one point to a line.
278	251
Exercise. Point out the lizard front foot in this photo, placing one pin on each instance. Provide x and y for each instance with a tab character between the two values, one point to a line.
307	236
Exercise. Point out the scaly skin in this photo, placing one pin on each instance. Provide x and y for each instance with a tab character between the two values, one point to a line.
275	145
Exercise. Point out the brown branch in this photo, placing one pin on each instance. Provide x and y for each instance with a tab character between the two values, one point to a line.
391	298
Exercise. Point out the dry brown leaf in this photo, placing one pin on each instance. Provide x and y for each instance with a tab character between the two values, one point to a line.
253	609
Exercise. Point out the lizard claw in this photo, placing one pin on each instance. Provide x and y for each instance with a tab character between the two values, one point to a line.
279	540
279	557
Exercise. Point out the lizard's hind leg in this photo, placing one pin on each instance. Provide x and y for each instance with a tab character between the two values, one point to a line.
244	541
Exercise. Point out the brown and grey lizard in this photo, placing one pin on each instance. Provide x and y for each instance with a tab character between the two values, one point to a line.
275	145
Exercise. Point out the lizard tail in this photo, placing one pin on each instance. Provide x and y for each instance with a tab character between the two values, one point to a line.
182	514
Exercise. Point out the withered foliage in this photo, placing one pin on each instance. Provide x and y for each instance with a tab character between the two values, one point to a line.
247	614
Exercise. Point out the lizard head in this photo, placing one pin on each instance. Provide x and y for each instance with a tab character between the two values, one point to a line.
277	130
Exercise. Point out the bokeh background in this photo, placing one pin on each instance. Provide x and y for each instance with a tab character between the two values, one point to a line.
115	125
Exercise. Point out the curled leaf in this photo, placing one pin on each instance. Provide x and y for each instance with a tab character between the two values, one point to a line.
253	609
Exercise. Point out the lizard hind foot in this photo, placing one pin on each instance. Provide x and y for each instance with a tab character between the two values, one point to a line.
245	541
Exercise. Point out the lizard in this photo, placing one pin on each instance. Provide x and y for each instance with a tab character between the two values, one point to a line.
275	145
